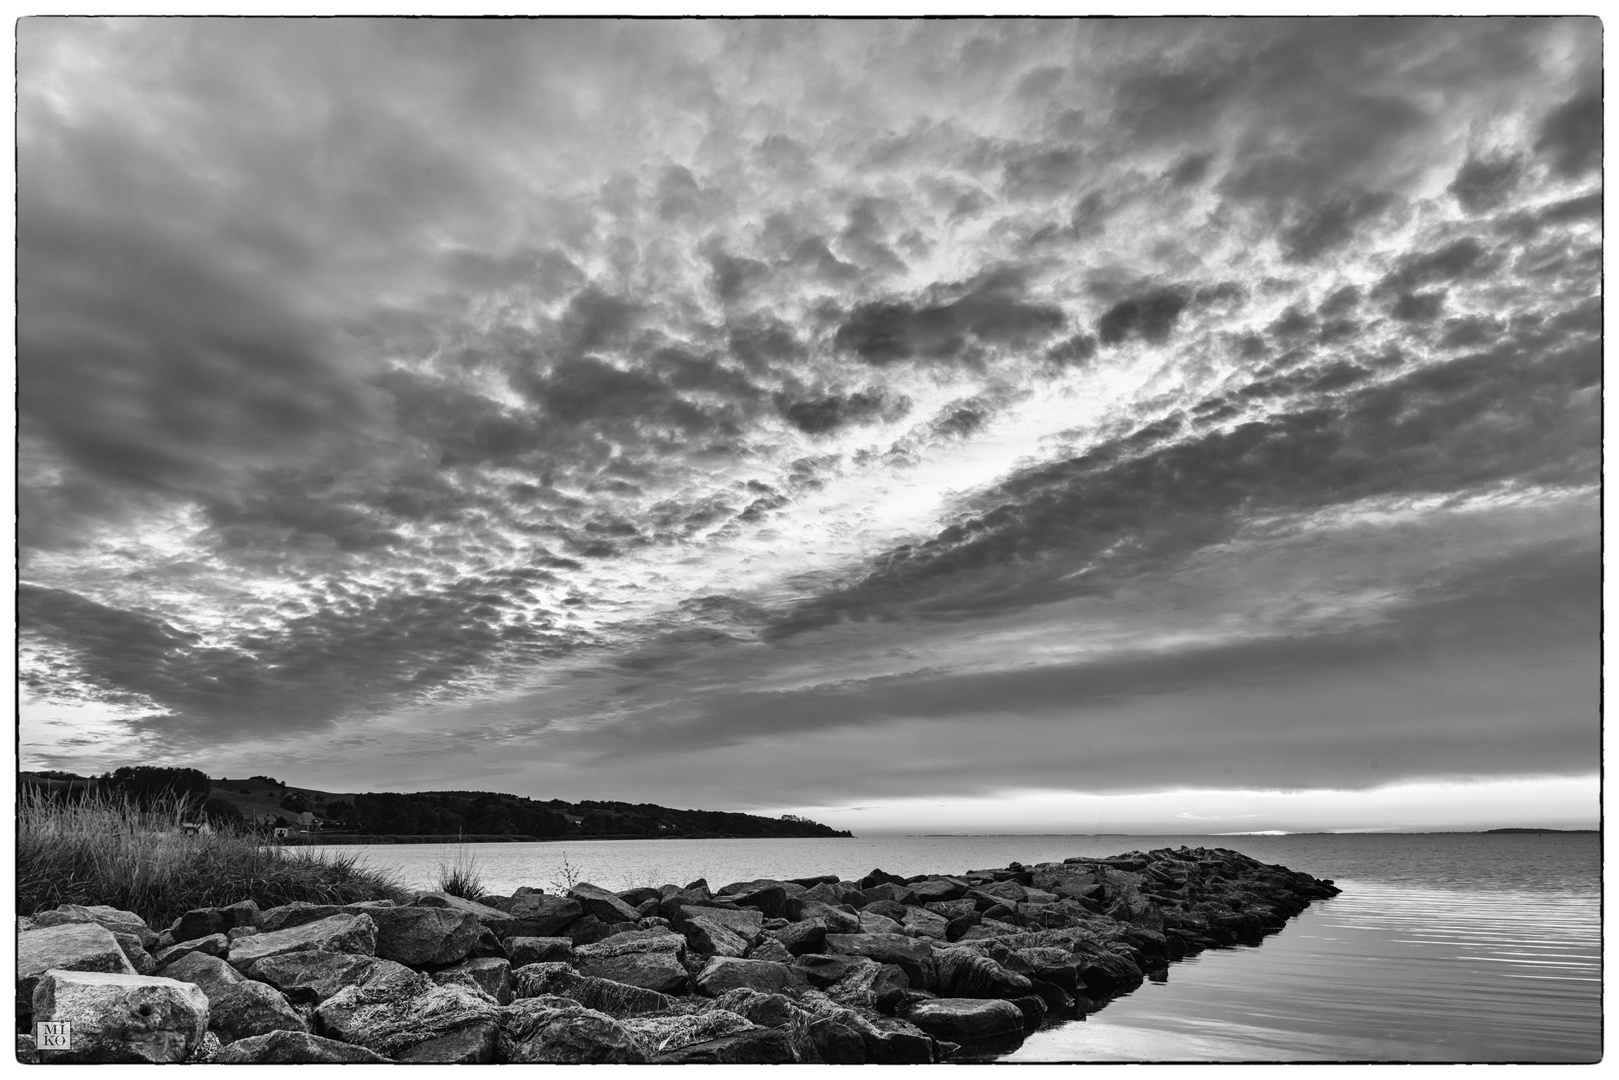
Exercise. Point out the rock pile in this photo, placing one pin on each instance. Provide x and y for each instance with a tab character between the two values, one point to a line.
881	970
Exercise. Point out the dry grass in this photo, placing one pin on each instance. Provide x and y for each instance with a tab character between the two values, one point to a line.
459	875
110	851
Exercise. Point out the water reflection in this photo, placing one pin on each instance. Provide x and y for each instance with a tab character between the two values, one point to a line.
1381	973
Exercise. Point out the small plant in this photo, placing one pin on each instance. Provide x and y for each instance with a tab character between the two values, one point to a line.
459	875
567	877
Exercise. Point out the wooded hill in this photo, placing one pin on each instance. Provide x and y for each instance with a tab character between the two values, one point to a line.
264	800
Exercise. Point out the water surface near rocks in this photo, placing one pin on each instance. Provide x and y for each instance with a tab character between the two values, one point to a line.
1443	947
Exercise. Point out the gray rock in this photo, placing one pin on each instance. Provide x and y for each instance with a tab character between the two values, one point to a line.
205	922
963	973
295	1048
728	972
660	971
871	986
745	922
495	918
138	957
836	919
539	950
713	938
919	922
114	919
808	936
74	946
913	955
603	995
474	1044
634	941
490	975
938	889
237	933
213	945
395	1009
760	1046
772	950
758	1007
663	1033
424	937
823	969
336	933
557	1031
251	1008
309	978
968	1020
210	973
121	1018
207	1046
606	906
872	922
587	929
299	913
769	897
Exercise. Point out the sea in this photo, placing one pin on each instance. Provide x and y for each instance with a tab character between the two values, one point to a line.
1442	947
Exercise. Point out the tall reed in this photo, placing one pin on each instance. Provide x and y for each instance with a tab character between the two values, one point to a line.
460	875
107	849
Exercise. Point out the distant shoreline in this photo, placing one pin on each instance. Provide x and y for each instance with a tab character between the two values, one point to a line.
342	839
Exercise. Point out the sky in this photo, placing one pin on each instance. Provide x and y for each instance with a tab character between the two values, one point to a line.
968	426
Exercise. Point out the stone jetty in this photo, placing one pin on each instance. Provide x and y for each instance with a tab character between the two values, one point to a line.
886	969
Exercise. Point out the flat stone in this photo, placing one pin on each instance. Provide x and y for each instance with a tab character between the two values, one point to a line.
760	1046
713	938
603	995
747	923
632	942
213	945
494	918
337	934
664	1033
294	1048
659	971
117	1017
473	1044
115	919
913	955
309	978
73	946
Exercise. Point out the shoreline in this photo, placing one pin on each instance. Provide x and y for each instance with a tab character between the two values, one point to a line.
880	970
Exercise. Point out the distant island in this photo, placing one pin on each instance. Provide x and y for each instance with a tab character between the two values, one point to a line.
1533	831
310	815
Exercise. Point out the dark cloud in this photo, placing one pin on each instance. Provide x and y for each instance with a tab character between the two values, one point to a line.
1151	316
817	416
1571	135
1485	183
991	310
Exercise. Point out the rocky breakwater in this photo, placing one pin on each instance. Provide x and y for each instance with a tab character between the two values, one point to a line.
886	969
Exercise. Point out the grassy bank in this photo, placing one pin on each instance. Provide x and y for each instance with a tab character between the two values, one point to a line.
109	851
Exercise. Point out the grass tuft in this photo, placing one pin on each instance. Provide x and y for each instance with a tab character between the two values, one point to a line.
460	876
108	850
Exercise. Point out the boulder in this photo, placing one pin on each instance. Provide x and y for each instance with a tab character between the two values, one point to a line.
836	919
336	933
872	922
539	950
473	1044
770	898
118	1017
294	1048
871	986
772	950
240	932
713	938
1033	1007
729	972
606	906
892	1041
878	877
299	913
656	940
758	1007
311	978
138	957
603	995
747	923
111	918
213	945
396	1009
899	894
557	1031
662	1033
210	973
822	970
206	922
488	946
660	971
963	973
587	929
919	922
968	1020
74	946
492	917
758	1046
535	914
799	938
913	955
425	937
251	1008
489	975
938	889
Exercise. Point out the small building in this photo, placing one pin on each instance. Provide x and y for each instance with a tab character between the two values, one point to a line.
281	831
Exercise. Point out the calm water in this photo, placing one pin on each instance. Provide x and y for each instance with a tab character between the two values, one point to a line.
1442	948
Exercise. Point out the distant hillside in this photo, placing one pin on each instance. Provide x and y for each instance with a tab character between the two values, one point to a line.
264	799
